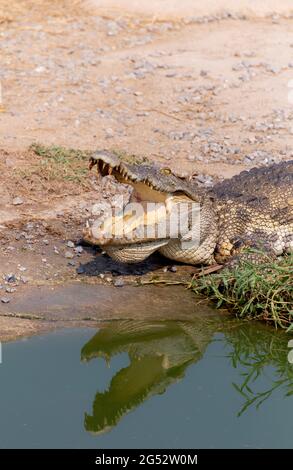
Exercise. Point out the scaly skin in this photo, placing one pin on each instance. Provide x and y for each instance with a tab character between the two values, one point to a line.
253	209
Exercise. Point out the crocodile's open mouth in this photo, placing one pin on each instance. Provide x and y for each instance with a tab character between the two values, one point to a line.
144	224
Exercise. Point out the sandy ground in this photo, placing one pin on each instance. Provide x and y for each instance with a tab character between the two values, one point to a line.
203	87
172	9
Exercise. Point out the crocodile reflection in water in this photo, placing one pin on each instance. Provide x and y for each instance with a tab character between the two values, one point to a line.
160	353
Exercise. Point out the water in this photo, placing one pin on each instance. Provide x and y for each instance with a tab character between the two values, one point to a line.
148	385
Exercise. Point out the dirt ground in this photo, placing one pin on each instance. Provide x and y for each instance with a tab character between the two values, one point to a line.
203	90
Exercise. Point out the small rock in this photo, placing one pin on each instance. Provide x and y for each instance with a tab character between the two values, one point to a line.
273	68
118	283
69	255
203	73
78	249
109	133
70	244
17	201
40	69
173	269
5	300
10	278
80	270
10	290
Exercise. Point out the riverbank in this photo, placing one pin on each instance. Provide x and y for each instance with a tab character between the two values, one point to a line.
207	95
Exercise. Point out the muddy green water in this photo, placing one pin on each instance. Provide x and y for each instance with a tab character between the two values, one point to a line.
148	384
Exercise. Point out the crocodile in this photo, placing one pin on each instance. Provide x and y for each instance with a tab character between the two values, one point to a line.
246	216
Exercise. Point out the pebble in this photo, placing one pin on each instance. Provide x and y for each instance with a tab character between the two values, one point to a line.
273	68
203	73
69	255
118	283
40	69
206	180
10	278
22	268
109	133
80	270
5	300
17	201
173	269
10	290
70	244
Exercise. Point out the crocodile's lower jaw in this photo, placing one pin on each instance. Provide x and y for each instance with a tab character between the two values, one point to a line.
134	253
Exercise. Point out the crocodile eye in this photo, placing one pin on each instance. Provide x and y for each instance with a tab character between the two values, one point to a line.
166	171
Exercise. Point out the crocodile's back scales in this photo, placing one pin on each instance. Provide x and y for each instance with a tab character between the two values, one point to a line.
257	204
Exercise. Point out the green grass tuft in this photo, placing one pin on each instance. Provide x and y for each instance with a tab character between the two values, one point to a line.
131	158
263	291
62	164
